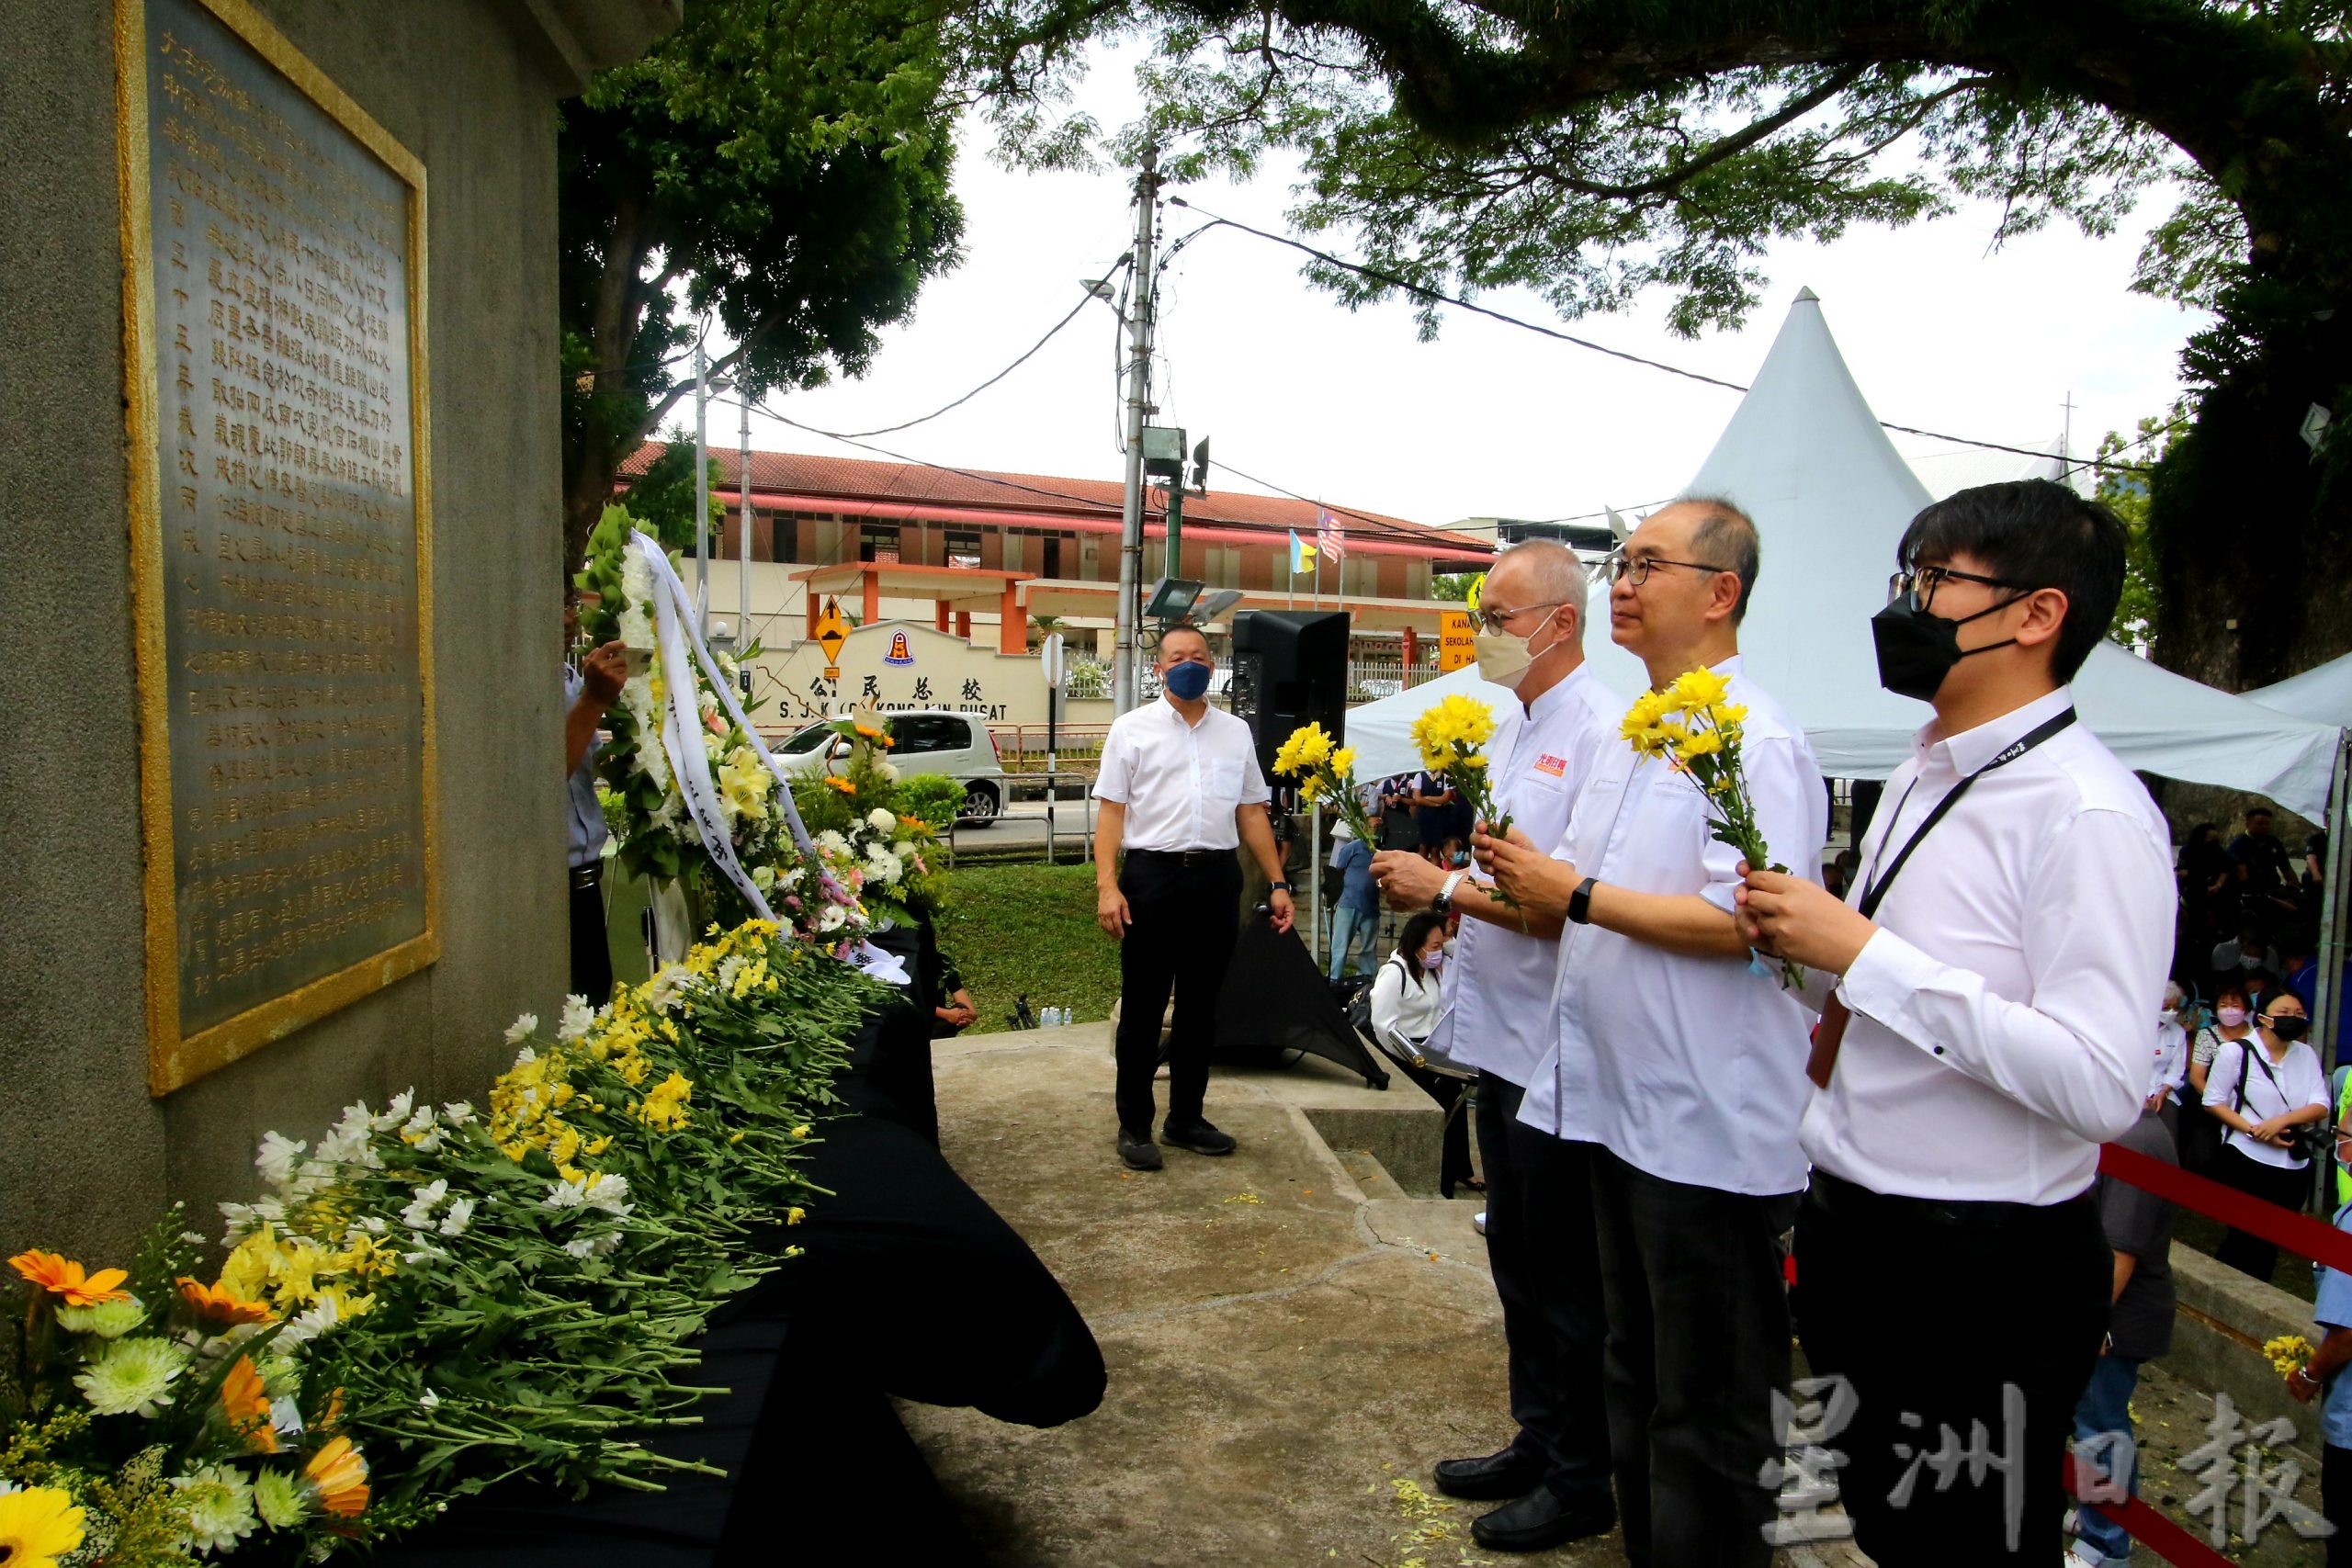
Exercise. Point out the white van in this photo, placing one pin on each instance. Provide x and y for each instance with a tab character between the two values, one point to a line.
923	740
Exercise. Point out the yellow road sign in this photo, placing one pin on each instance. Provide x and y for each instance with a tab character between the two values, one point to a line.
833	631
1457	646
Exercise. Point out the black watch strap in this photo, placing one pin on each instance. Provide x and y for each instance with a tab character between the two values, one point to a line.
1281	888
1580	901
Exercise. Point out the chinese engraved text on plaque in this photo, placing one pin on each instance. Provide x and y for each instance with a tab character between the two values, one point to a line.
280	529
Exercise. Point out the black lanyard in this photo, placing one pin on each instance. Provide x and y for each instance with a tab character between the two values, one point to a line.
1875	891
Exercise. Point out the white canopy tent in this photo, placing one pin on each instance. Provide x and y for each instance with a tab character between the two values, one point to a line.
1805	457
2321	696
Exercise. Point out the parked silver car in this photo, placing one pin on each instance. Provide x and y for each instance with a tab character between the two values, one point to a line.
923	740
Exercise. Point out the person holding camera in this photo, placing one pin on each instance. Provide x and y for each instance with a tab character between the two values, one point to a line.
2268	1091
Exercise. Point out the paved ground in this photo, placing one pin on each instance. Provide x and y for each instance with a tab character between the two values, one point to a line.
1290	1347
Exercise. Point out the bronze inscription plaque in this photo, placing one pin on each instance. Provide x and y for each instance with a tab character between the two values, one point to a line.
274	253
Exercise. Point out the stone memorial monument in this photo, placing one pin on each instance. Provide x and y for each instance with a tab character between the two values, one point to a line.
283	823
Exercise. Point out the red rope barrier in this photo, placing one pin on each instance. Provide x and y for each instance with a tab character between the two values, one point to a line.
2299	1234
2152	1529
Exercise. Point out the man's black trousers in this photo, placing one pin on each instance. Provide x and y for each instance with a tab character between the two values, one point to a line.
1976	1320
1547	1270
592	959
1184	909
1698	1347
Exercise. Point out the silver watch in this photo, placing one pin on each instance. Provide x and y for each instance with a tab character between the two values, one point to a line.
1444	902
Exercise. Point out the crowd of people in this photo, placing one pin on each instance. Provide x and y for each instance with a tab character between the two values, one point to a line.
1658	1111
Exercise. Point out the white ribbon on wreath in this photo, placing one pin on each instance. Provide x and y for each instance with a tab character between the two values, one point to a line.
690	764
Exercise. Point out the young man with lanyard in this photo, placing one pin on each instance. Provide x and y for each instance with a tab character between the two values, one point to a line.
1180	790
1498	999
1984	1003
1679	1064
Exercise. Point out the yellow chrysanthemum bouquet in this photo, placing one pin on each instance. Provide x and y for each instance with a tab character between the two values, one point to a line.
1691	728
1326	772
1451	737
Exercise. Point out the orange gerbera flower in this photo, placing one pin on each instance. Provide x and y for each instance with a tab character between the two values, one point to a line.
833	780
219	1305
245	1403
341	1476
61	1277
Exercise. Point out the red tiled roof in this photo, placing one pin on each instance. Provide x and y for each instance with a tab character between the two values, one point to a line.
855	478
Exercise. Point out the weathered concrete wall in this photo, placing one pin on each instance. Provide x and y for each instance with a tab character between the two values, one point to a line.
2219	1309
86	1157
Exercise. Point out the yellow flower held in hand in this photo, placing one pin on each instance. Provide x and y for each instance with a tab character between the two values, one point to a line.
38	1526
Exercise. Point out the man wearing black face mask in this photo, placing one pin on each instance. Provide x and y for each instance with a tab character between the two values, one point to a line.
1985	993
1180	790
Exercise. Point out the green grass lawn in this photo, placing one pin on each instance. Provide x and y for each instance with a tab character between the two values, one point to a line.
1015	928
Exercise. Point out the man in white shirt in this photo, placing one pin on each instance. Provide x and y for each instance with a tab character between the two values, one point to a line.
1498	1003
1181	791
1680	1062
1994	980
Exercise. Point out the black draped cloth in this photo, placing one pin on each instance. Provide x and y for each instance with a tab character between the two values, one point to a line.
1275	1000
911	1286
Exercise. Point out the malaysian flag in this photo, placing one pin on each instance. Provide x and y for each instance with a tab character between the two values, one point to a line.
1328	536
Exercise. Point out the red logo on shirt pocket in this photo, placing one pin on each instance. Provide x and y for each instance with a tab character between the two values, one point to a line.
1547	763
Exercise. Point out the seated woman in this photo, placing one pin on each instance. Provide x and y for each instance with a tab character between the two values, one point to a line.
1405	1006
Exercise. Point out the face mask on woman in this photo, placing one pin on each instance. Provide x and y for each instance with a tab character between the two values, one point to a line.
2288	1026
1433	961
2231	1018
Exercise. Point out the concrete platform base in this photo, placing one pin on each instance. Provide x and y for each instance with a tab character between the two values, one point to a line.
1291	1347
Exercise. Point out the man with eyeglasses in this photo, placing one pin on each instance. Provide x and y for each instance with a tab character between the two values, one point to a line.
1679	1064
1985	997
1553	1475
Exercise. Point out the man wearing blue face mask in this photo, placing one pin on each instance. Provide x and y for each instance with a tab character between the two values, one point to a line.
1180	790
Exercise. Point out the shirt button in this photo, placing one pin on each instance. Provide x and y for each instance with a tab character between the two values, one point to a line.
1939	1050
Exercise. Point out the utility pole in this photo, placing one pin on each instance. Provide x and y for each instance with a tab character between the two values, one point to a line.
702	494
743	536
1123	669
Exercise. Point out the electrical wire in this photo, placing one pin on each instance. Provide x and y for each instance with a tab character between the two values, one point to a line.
1083	301
1421	291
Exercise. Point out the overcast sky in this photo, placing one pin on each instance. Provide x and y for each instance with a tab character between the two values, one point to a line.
1488	420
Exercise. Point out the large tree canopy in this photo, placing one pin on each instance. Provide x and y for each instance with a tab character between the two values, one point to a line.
780	167
1597	150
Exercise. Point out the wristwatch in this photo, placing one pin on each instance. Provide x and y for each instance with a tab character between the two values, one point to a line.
1280	887
1444	902
1580	901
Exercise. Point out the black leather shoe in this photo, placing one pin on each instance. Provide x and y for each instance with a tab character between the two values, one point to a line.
1509	1474
1139	1152
1542	1521
1196	1135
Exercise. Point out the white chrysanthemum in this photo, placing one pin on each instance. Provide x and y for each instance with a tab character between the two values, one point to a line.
887	771
131	1377
422	1132
594	1246
107	1320
577	1016
460	1216
831	917
884	867
395	1113
881	820
523	1028
276	1157
561	1195
458	1113
425	1253
281	1497
418	1215
309	1323
218	1507
608	1192
832	844
428	1400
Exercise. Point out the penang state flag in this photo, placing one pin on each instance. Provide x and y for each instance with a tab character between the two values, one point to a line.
1329	535
1301	554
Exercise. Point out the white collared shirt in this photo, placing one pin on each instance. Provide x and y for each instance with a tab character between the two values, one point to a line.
1181	782
2171	1058
1499	986
1689	1069
2292	1084
2001	1011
